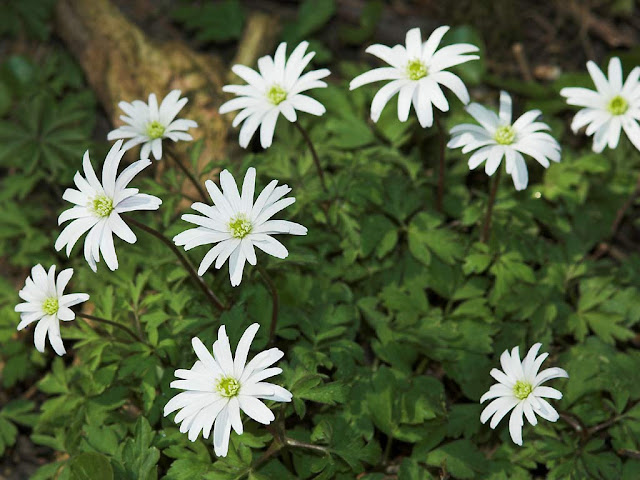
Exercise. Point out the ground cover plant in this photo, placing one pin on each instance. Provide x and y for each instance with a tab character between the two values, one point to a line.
294	241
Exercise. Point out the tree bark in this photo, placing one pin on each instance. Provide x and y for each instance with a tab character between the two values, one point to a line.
122	63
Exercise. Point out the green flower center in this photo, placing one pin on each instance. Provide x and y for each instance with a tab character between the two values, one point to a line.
276	94
240	226
617	105
50	306
416	70
228	387
155	130
102	206
522	390
505	135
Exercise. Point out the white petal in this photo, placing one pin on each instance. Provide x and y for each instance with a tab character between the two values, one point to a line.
55	339
505	107
413	42
515	425
234	415
222	352
271	246
549	374
375	75
205	356
221	432
257	410
267	128
242	350
431	45
41	332
383	96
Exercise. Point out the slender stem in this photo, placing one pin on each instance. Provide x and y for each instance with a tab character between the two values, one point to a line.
290	442
629	453
486	229
274	448
274	309
623	209
111	322
575	423
203	194
184	260
443	142
314	154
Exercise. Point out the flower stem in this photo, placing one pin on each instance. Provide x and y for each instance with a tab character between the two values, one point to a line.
274	295
486	229
443	142
173	156
290	442
111	322
184	260
314	154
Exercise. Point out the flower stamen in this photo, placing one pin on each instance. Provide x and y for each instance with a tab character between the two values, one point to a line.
505	135
276	94
50	306
522	390
416	70
228	387
617	105
155	130
102	206
240	226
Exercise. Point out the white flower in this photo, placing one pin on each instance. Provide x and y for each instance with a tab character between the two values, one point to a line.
497	136
521	389
148	124
417	71
612	107
98	207
45	303
218	386
236	224
276	89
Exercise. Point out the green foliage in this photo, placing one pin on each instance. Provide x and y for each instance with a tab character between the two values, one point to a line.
391	314
211	21
29	17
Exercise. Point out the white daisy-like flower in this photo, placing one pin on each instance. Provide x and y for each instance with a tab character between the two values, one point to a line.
148	124
236	224
97	207
276	89
416	72
218	386
520	389
497	137
612	107
45	303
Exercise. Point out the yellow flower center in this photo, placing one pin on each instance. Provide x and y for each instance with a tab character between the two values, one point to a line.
522	390
505	135
617	105
155	130
276	94
228	387
240	226
416	70
50	306
102	206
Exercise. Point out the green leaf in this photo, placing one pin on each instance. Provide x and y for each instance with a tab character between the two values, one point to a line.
91	466
137	457
461	458
212	22
312	15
